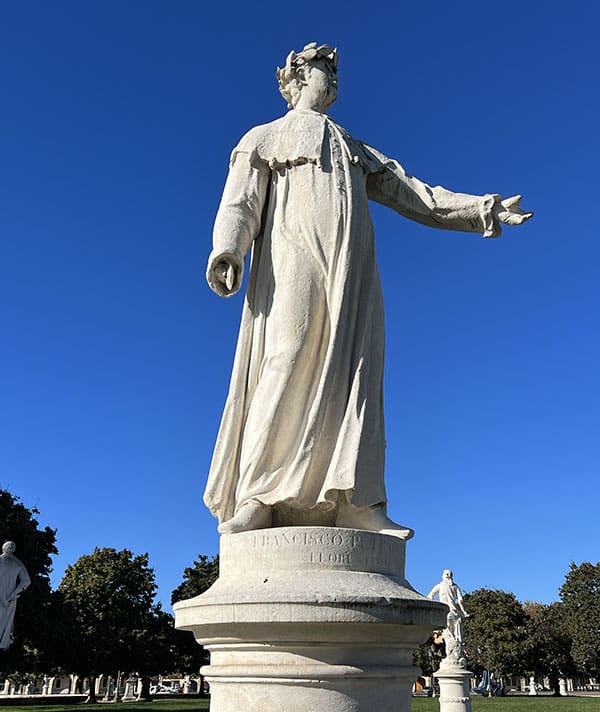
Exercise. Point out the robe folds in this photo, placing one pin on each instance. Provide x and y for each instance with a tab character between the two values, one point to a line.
13	579
303	422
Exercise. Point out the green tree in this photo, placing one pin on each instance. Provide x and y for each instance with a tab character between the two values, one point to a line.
495	633
580	595
428	656
548	642
197	578
110	619
34	628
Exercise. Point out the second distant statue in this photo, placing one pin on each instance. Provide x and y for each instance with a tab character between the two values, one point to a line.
449	593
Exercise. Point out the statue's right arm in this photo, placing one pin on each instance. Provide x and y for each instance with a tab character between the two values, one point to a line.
433	591
238	221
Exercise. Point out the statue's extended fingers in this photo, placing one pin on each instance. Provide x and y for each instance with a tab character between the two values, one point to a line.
230	277
512	202
515	218
221	271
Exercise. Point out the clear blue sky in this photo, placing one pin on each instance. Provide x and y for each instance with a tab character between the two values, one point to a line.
117	122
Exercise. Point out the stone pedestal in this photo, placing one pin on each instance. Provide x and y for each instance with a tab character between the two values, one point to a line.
310	619
455	688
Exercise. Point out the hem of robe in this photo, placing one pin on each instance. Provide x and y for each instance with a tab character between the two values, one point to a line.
328	503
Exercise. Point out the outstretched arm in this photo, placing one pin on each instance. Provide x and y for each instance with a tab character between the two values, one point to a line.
435	590
438	207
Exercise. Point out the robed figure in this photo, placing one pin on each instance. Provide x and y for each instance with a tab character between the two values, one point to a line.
303	424
13	580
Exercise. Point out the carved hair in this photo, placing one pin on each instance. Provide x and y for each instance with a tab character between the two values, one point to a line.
291	77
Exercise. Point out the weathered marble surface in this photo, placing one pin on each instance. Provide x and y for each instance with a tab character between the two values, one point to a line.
455	688
453	676
303	424
307	619
450	595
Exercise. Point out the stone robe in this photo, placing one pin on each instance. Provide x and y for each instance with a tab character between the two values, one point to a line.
303	422
13	579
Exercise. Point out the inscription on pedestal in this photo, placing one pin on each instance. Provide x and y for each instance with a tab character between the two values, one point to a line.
310	547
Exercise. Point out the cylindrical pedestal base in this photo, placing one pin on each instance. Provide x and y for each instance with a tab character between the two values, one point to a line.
455	689
311	619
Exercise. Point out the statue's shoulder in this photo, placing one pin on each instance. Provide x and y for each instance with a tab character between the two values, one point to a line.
372	160
292	139
259	136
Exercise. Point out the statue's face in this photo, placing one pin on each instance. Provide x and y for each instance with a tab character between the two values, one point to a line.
320	89
447	575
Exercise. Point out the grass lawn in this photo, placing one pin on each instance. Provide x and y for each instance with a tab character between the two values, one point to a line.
156	706
516	703
419	704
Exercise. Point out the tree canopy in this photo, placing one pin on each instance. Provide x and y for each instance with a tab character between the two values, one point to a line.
103	617
580	595
197	578
109	613
548	642
495	632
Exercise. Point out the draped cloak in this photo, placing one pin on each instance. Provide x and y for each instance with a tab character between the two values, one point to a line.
13	579
303	422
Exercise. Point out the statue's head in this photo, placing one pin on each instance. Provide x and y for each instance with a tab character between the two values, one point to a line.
447	575
309	78
9	547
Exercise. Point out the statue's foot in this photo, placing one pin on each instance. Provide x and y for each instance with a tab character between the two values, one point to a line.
373	519
251	515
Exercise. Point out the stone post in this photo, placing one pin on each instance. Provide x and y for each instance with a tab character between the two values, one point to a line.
455	688
130	689
108	691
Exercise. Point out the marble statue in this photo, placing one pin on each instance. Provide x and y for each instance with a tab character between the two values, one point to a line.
13	580
449	593
303	422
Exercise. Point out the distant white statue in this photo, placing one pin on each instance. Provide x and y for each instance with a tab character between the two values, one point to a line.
13	580
449	593
303	423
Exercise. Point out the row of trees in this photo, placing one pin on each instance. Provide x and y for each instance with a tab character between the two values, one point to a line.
102	618
513	639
